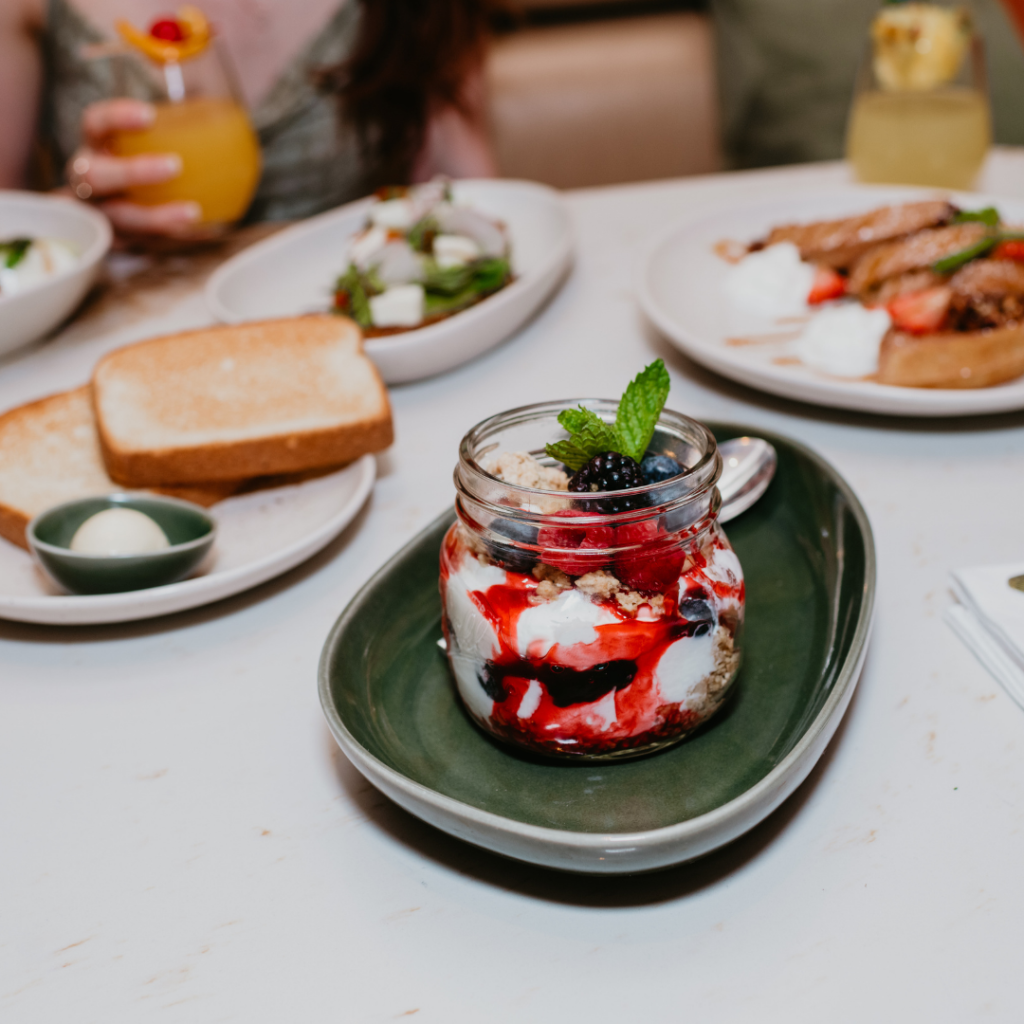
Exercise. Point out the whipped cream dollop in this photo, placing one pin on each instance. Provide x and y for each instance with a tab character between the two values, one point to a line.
773	281
844	340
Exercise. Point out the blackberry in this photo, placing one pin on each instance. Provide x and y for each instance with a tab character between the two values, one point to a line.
610	471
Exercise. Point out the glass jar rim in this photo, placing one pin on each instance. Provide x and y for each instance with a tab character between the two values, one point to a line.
692	484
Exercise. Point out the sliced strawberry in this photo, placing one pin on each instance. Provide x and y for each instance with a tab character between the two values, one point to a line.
575	550
1011	250
921	312
827	285
651	564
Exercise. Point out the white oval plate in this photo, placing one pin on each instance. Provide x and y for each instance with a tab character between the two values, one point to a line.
679	286
293	272
30	314
260	535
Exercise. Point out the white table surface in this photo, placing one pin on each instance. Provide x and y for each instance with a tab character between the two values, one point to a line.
181	841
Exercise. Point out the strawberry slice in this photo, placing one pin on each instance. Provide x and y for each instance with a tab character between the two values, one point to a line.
921	312
827	285
1011	250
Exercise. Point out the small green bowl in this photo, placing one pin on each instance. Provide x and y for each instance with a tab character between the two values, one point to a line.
190	529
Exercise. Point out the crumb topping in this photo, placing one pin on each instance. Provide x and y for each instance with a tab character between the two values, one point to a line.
598	584
552	582
522	470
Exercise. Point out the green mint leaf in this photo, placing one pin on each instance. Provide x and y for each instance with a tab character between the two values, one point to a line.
575	420
590	436
989	215
568	454
640	408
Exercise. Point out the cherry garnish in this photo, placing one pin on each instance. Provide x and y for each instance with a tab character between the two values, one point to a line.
167	29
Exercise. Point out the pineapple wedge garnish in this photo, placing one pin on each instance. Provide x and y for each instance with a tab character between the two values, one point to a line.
919	46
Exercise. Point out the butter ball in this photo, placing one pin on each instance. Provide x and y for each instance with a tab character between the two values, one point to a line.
119	531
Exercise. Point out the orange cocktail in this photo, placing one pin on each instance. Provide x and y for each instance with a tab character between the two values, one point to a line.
201	120
219	152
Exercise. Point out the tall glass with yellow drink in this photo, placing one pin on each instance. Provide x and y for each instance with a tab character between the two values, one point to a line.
921	112
199	116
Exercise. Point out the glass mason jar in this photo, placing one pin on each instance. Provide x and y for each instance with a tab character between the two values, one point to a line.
582	633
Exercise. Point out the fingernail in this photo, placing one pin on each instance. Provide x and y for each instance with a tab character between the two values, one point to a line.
168	163
145	114
191	212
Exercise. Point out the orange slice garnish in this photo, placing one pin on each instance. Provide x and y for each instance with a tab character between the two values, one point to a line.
195	37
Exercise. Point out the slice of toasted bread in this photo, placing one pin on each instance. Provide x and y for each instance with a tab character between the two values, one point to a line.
955	359
227	403
49	454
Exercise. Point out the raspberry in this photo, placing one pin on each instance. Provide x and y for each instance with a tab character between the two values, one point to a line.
651	565
586	544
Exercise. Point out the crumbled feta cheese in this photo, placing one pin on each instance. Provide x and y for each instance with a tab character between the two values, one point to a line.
399	214
455	250
401	306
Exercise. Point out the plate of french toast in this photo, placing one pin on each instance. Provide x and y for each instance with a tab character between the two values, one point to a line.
270	426
888	300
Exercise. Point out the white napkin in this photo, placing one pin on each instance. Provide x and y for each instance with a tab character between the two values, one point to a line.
990	621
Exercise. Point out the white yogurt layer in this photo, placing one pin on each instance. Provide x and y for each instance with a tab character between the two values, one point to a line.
473	639
685	664
844	340
774	281
570	619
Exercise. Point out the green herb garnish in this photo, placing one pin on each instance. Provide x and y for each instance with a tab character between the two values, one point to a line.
957	259
13	251
637	416
358	300
989	215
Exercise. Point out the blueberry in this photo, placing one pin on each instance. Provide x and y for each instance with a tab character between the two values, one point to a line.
657	468
517	532
700	616
510	555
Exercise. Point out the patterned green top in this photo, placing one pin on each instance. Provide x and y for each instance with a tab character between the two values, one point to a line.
312	161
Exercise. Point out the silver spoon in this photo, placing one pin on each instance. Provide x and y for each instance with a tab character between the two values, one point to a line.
748	465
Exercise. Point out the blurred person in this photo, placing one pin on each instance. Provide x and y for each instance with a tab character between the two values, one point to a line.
345	96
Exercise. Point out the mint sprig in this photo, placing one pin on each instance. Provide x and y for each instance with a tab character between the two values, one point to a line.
632	431
640	408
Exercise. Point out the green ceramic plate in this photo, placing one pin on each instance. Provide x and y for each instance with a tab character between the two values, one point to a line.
809	562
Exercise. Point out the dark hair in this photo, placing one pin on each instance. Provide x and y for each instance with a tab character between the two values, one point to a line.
411	58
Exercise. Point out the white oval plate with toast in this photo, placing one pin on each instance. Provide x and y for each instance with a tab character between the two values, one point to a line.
260	535
679	286
293	272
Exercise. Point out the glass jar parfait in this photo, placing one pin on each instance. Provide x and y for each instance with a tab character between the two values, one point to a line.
577	629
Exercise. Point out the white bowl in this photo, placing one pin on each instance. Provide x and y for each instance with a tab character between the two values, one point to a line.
293	272
28	315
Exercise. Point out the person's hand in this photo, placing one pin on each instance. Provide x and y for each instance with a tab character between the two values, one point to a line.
94	174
